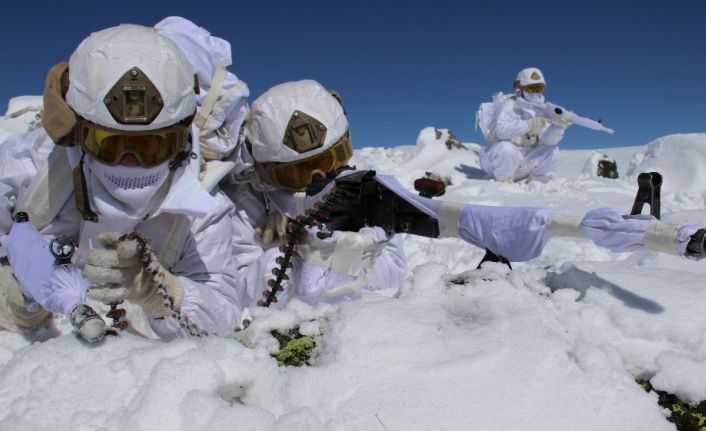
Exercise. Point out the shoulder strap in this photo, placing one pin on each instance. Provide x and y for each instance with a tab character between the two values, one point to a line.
204	113
48	192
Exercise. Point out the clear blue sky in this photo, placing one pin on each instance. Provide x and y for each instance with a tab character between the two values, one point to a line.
403	66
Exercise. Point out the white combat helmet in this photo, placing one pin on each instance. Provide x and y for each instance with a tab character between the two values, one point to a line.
529	76
294	121
131	78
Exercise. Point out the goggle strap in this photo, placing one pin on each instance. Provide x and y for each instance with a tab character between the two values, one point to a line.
83	205
180	158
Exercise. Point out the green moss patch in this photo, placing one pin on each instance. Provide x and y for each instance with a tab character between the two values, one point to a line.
685	416
295	348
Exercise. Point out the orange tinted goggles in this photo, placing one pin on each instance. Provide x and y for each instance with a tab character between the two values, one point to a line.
151	147
534	88
297	175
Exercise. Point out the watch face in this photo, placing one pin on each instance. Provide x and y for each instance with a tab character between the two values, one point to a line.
62	247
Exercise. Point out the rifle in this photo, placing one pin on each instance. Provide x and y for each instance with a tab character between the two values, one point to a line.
555	113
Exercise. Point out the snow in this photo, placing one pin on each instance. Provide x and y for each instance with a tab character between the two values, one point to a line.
555	344
686	173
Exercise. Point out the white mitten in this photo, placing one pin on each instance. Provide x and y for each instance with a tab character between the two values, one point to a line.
536	125
128	269
273	228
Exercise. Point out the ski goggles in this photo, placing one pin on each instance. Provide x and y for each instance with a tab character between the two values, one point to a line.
150	147
534	88
296	175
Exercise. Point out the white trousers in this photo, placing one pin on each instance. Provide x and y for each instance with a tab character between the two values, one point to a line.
505	160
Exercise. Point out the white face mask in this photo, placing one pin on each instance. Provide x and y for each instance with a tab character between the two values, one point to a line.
533	97
134	186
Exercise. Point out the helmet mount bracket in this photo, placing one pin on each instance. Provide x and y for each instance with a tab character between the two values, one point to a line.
304	133
134	99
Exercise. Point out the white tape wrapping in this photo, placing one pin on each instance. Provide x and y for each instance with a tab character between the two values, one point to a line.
449	217
662	237
564	225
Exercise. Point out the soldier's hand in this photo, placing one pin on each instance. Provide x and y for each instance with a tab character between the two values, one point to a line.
536	125
563	123
273	228
128	269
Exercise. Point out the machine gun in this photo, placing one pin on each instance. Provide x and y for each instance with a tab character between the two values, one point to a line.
355	201
362	199
555	113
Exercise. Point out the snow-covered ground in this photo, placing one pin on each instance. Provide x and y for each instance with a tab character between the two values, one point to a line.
555	344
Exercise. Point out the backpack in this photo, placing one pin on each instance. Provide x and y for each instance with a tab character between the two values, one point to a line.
222	103
486	115
23	114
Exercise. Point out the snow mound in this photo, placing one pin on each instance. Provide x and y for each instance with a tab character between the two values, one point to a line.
590	168
438	151
679	158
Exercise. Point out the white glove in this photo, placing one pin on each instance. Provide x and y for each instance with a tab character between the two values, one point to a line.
609	229
273	228
335	265
536	125
345	252
118	273
564	123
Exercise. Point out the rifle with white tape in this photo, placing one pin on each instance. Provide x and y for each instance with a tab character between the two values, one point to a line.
556	113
